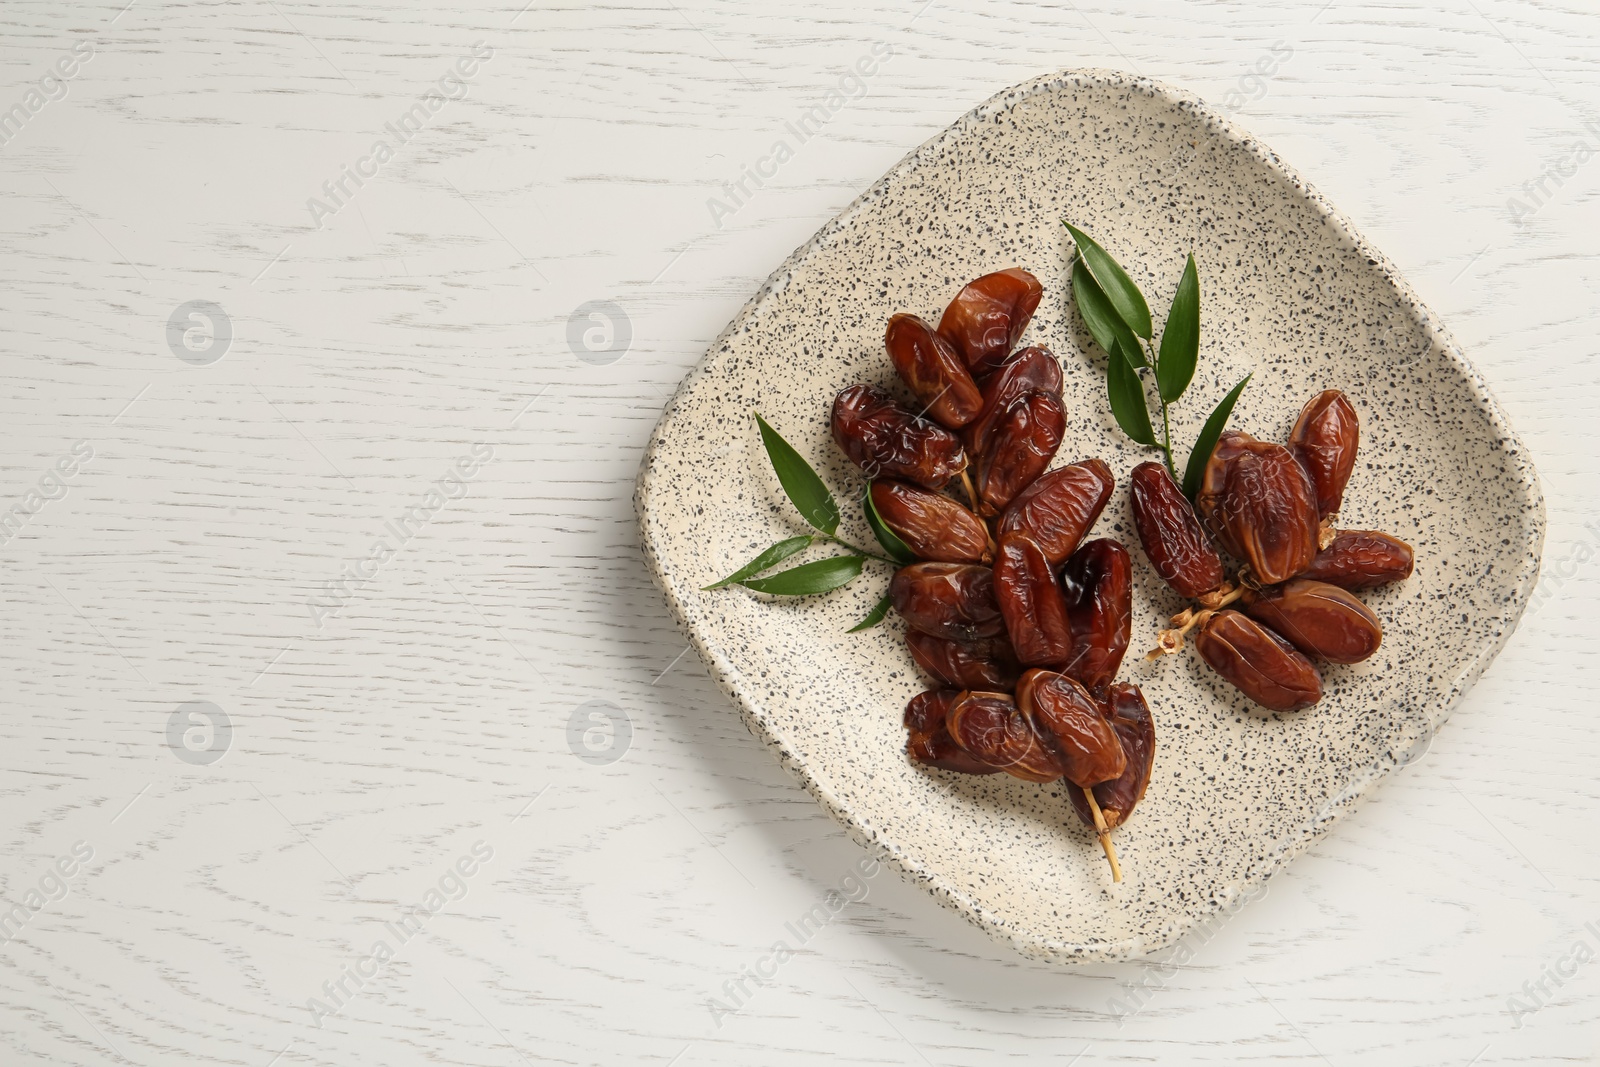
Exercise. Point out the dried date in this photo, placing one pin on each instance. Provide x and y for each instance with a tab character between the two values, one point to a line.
1177	547
1324	440
987	317
929	741
988	664
887	441
1098	584
1086	746
1258	502
1130	717
1257	662
932	525
1030	370
1022	448
1319	619
933	371
1060	507
955	601
1032	604
1361	559
992	729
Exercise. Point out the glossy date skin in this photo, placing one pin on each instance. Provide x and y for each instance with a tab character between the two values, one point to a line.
1087	748
1324	440
987	317
1178	548
988	664
1129	715
1098	586
1060	507
932	525
1032	604
929	741
1023	446
1361	559
955	601
933	371
993	730
1259	663
1030	370
1257	502
1319	619
887	441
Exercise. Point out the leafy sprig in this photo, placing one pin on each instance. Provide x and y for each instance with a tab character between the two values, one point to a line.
812	498
1118	318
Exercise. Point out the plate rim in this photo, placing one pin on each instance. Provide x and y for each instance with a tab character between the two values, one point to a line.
1362	782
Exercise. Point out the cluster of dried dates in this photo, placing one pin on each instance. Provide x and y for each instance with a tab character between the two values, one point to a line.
1271	507
1021	624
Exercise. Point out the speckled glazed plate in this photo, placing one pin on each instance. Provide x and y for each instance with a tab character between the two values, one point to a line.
1290	291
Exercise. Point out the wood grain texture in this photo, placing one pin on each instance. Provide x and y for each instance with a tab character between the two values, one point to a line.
371	752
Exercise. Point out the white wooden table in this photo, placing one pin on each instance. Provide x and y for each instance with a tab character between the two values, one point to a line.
278	671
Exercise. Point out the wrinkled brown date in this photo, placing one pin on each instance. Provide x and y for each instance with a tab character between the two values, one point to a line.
985	319
887	441
1259	663
1324	440
932	525
992	729
1361	559
1098	583
1022	448
1034	609
1070	721
1130	717
1319	619
989	664
1258	502
1030	370
933	370
955	601
929	741
1060	507
1178	548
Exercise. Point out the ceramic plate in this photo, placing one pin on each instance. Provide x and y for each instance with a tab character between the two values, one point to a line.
1291	292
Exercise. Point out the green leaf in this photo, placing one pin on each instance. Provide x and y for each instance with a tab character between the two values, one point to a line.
874	617
1206	443
771	557
898	550
1127	398
1119	288
1102	319
818	576
800	481
1180	337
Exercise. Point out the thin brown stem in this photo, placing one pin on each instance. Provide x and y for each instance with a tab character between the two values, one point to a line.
1103	832
1221	598
972	494
1171	640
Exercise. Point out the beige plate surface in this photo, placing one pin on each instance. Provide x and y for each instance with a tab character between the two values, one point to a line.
1291	293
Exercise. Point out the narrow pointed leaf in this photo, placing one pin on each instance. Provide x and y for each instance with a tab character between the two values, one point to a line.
1127	398
1119	288
769	558
898	550
1104	323
874	617
799	481
1206	443
1180	337
818	576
